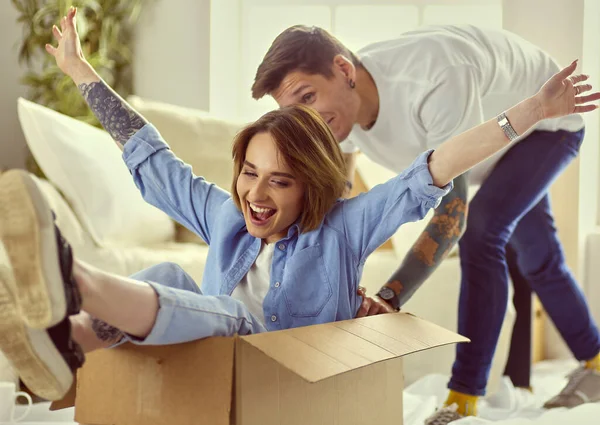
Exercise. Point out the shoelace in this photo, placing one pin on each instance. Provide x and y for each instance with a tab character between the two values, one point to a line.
444	416
575	379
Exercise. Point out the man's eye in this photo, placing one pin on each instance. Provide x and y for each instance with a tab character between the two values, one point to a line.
308	97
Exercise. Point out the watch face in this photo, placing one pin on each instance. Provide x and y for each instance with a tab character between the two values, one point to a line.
386	293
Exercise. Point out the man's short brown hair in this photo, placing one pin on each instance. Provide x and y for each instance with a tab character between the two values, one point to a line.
298	48
309	148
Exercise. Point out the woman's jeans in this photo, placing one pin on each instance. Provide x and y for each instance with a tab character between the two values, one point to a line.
185	314
512	210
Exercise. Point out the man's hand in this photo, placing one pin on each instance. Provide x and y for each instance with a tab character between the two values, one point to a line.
372	305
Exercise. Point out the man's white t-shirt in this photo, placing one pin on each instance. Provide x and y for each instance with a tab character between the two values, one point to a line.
253	288
439	81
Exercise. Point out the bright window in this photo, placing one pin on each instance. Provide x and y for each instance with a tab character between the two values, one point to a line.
260	26
242	31
391	21
487	15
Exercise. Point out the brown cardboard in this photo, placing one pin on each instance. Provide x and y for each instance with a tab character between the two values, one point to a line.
181	384
346	373
67	401
270	394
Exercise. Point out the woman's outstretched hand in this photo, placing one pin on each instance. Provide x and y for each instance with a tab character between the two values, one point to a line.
562	94
68	53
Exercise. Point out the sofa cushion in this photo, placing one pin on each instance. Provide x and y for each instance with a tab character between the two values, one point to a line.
202	141
126	261
65	219
86	166
121	260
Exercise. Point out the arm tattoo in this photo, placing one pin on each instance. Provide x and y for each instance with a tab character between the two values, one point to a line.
106	332
115	115
435	243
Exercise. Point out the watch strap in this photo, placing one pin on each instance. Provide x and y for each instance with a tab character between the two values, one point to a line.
506	127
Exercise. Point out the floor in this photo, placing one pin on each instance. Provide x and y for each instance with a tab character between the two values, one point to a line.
508	406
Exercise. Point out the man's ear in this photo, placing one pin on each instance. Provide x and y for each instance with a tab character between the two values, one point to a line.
343	65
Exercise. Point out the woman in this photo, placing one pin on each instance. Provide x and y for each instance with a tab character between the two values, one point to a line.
284	251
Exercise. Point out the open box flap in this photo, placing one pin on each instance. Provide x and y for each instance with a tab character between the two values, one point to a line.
322	351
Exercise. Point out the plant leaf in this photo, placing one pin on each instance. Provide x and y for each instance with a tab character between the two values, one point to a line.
106	30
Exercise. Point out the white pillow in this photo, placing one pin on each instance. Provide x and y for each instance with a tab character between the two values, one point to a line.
84	163
200	140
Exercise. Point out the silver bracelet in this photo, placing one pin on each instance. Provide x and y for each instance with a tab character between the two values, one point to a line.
508	129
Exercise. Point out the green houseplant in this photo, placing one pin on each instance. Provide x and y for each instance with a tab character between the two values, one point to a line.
106	32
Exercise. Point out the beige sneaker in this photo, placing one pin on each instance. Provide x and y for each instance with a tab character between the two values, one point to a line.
28	234
583	387
37	290
31	352
444	416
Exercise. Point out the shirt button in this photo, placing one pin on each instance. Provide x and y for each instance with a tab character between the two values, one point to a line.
277	284
273	318
282	246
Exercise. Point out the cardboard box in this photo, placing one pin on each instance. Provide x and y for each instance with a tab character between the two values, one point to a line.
342	373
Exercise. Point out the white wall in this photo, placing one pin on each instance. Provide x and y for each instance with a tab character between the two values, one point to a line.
590	174
225	45
560	31
12	142
172	52
560	34
593	274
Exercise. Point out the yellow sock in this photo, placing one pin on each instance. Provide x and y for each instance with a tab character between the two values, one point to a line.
594	363
467	404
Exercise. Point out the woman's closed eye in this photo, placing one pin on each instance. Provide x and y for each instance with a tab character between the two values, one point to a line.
278	183
281	183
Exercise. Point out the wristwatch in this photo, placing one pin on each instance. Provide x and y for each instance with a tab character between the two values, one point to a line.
388	295
508	129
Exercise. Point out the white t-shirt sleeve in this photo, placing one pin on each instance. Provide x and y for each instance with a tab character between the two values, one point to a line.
453	107
347	146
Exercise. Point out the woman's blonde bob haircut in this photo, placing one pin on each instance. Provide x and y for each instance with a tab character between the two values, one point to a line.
309	149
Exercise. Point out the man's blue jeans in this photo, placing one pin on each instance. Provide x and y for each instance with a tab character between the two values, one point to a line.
512	209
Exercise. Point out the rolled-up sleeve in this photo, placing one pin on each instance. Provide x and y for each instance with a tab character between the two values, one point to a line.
170	185
373	217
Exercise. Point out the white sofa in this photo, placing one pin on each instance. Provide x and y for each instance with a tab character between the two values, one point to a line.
204	143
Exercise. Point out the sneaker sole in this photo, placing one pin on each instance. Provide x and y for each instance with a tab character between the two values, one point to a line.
27	230
30	351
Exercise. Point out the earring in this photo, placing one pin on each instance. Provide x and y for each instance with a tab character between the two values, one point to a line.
352	84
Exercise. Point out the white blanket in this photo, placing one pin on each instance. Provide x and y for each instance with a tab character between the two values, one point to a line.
508	406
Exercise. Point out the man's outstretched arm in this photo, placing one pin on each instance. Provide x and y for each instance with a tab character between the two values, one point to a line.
435	243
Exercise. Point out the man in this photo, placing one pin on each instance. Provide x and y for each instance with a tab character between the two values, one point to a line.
397	98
